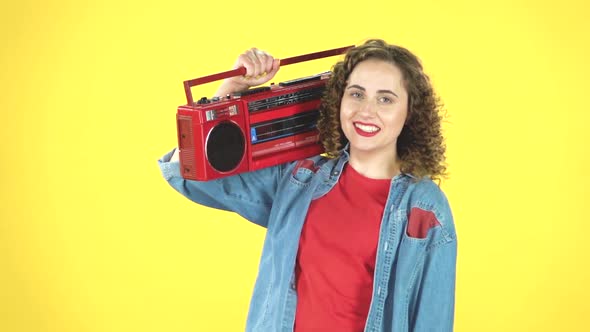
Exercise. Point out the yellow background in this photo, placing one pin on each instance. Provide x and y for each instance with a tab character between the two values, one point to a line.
93	239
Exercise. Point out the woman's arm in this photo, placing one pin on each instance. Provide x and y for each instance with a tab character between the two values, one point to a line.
434	306
249	194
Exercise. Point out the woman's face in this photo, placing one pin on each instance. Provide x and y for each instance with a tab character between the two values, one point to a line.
374	108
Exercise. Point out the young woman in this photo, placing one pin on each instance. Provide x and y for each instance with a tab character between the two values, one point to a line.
360	238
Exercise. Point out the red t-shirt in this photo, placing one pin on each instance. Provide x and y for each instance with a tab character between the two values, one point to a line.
337	253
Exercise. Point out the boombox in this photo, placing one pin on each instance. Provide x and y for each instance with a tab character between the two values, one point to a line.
249	130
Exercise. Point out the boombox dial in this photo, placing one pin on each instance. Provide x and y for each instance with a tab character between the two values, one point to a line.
225	147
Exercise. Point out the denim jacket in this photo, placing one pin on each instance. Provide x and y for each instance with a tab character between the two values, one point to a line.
414	278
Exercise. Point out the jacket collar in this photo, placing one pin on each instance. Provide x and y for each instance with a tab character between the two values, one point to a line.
345	157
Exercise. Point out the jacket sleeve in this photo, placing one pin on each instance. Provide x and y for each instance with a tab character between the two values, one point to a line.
249	194
435	302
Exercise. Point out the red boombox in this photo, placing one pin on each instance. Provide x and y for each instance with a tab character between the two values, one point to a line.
252	129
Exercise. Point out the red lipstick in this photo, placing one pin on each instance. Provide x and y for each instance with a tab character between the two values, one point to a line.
365	133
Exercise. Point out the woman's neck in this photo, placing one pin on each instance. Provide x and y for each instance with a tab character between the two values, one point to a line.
375	166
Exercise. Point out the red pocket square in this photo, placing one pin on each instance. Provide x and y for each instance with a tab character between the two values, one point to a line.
307	164
420	222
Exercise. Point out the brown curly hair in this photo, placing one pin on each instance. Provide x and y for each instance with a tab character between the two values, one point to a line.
420	145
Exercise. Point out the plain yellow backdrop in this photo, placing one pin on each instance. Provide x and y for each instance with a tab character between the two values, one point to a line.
93	239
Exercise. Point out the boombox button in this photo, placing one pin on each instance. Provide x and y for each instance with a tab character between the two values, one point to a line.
203	100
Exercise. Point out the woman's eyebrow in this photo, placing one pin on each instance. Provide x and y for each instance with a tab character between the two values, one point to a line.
378	91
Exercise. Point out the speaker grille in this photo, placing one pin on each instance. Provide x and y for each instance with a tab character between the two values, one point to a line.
225	147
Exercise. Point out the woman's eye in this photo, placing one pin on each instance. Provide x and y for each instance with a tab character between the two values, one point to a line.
355	94
386	100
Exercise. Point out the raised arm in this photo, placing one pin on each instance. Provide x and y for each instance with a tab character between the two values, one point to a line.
249	194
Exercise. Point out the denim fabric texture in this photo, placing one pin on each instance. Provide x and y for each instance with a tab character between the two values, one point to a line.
414	280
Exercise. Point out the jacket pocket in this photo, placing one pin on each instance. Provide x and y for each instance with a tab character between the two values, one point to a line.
303	173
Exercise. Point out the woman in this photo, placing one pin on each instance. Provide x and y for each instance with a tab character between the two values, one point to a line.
359	238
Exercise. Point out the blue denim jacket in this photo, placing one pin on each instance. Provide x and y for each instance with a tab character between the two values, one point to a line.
414	280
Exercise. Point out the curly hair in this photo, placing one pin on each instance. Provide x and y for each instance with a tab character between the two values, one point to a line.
420	145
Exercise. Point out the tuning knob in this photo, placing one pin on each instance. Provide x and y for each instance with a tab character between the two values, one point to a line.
203	100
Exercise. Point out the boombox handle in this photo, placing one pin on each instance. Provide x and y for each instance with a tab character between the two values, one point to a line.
242	70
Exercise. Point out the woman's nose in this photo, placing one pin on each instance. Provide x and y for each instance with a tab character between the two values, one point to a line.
367	108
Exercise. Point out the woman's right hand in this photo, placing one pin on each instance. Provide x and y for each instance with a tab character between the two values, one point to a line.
260	66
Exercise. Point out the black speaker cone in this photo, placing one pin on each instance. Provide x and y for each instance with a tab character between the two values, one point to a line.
225	147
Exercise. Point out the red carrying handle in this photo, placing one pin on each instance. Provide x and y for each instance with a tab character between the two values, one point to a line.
242	70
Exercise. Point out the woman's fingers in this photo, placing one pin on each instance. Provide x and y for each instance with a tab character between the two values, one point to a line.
260	66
